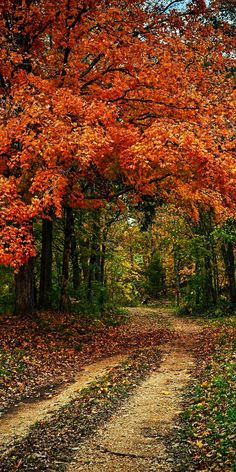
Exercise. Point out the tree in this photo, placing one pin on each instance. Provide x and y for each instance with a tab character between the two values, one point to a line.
226	234
100	99
45	287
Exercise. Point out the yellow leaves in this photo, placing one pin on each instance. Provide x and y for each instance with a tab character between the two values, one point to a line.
199	443
165	392
204	384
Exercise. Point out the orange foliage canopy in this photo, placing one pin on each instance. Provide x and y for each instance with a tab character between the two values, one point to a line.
101	98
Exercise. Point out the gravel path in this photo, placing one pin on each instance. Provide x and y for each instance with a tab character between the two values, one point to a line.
16	424
135	439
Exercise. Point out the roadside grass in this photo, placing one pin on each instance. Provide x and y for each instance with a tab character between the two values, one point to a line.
208	429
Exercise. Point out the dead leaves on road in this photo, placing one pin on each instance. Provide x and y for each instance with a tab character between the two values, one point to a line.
36	356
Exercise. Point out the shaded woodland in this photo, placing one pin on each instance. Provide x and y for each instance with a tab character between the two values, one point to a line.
92	262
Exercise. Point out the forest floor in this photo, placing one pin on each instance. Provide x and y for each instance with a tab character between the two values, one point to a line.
123	409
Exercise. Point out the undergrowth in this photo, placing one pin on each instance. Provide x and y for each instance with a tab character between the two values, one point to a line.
208	422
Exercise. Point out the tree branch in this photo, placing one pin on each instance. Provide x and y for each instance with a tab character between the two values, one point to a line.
91	66
125	190
170	5
154	102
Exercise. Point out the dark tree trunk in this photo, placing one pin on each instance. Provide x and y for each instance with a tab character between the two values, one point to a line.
95	257
91	271
177	277
198	286
75	257
46	265
84	258
83	248
210	293
103	258
97	264
210	263
25	289
215	273
64	299
229	261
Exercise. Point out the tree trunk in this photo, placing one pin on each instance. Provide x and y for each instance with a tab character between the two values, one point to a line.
229	261
91	271
215	273
95	257
75	257
198	286
103	258
25	289
64	299
177	278
46	265
84	249
210	293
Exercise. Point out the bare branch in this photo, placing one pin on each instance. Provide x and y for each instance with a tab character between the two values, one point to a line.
91	66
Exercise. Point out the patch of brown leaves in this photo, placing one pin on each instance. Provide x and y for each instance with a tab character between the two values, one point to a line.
37	355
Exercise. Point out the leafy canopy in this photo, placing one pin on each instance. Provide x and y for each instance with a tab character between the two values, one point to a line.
99	99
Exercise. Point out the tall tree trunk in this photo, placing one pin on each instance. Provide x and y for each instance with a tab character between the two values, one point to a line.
95	257
84	258
25	289
64	299
177	277
198	286
46	265
91	271
215	272
210	293
229	261
75	257
103	258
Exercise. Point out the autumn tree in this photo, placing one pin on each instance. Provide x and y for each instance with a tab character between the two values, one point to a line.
102	99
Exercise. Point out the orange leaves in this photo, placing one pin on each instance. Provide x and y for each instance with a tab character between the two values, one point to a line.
181	162
100	93
16	243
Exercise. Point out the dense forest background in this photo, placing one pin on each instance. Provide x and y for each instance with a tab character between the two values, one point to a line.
94	261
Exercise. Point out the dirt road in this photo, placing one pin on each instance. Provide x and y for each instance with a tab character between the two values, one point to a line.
136	437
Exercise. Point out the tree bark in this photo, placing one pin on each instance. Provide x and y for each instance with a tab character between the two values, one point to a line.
177	277
229	261
215	273
210	293
46	265
75	257
25	289
103	259
64	299
91	271
95	257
